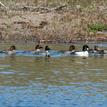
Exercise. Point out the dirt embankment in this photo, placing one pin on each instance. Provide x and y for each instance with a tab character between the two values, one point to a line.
58	24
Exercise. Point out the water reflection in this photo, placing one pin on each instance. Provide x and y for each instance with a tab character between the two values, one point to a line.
59	71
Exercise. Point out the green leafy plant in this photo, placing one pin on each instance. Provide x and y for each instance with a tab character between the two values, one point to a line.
97	27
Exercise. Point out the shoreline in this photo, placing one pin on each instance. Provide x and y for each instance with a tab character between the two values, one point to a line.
52	42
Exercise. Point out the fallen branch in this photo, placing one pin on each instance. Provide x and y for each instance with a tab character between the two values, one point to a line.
3	5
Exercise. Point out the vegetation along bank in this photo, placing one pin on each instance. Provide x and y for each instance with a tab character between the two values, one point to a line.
54	21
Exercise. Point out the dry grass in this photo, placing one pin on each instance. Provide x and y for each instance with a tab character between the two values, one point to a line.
68	24
84	3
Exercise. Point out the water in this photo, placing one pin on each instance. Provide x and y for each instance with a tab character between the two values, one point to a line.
53	82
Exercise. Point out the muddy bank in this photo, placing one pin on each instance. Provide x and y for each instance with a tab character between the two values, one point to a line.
60	24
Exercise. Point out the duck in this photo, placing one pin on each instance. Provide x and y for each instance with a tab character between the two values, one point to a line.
97	50
47	51
37	49
72	49
84	51
11	50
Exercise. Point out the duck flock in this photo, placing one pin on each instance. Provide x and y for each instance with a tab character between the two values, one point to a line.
47	52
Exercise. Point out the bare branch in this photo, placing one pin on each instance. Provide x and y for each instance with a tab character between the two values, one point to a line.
3	5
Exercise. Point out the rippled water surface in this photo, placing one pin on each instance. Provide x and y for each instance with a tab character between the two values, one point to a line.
53	82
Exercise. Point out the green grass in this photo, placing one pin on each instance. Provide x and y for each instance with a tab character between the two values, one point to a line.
97	27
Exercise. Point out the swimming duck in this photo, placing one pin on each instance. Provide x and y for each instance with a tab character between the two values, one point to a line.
47	51
12	50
